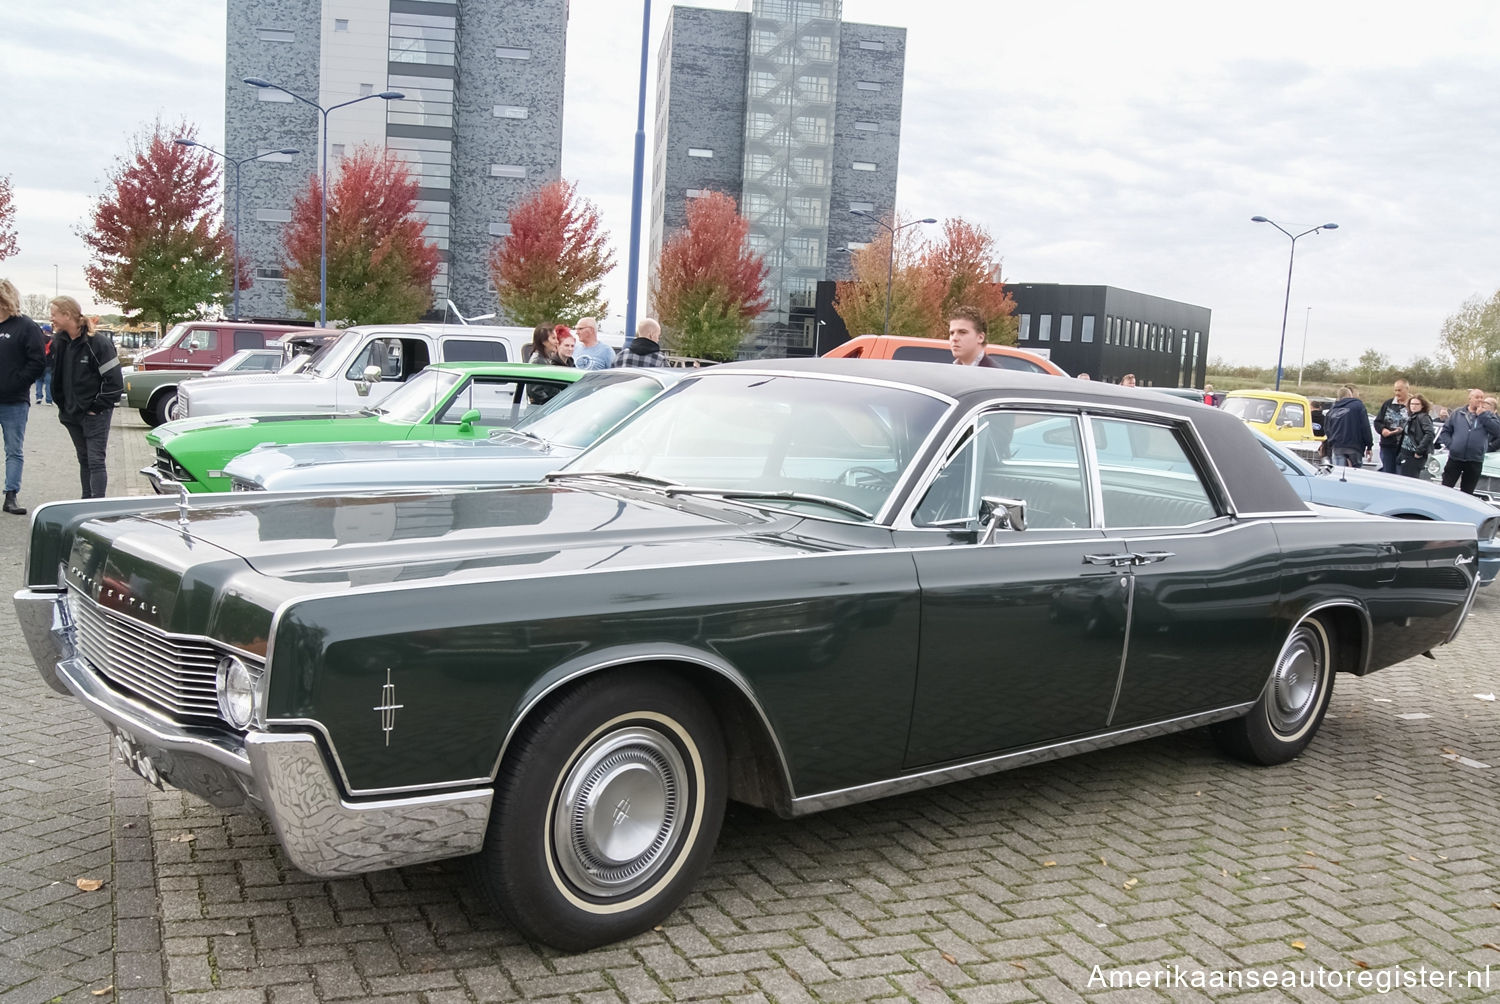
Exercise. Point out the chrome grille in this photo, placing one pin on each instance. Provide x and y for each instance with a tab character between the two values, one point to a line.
173	674
170	467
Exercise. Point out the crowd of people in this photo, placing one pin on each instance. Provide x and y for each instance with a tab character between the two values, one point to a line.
1407	428
579	346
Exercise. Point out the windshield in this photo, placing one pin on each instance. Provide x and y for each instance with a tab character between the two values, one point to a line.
325	361
296	365
591	407
1250	409
414	399
172	337
754	434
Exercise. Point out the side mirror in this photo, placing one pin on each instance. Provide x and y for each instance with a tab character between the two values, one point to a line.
192	346
362	385
466	422
997	514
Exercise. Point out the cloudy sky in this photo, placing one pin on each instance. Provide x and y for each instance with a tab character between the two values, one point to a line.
1125	144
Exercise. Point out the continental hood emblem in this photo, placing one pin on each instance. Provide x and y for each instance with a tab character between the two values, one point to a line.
109	596
388	707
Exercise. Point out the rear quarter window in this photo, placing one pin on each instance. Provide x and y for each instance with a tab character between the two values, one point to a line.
474	350
924	353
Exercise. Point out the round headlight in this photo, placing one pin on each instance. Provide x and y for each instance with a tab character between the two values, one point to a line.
236	685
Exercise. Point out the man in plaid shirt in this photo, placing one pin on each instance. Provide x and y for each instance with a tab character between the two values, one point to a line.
645	348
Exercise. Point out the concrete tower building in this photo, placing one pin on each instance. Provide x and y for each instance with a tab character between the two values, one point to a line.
797	114
481	123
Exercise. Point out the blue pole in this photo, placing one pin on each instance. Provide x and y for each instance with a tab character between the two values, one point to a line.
636	181
323	227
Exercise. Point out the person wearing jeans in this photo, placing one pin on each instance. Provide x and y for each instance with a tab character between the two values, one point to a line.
44	382
86	384
21	362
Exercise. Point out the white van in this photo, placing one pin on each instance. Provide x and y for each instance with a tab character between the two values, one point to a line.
356	370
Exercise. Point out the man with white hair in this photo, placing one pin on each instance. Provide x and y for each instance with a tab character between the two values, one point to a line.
1468	434
591	354
644	349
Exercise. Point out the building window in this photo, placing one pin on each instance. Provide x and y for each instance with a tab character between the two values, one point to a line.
498	229
507	171
1086	334
510	111
275	35
1044	328
341	24
857	245
270	273
862	165
861	207
867	126
365	90
428	101
272	94
512	52
872	45
699	151
336	150
274	215
1023	333
269	156
867	85
696	193
1065	328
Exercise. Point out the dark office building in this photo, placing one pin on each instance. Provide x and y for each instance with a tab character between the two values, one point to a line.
1108	332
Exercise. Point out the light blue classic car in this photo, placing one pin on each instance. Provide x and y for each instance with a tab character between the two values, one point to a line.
1392	495
543	441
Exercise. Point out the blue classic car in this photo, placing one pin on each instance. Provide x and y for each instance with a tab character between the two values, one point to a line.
1391	495
543	441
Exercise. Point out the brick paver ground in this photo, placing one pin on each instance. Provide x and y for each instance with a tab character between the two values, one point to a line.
1373	854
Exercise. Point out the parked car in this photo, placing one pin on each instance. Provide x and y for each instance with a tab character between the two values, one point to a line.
202	345
154	392
1282	416
355	370
798	584
546	439
445	401
1391	495
936	350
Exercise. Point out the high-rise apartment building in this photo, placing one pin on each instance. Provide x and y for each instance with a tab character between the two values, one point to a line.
797	114
480	123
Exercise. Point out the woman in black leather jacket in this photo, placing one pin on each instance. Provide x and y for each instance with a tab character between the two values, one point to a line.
1416	442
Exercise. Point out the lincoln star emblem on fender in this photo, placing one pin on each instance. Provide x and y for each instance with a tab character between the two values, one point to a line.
388	707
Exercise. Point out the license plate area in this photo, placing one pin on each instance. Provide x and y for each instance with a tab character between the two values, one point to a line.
134	756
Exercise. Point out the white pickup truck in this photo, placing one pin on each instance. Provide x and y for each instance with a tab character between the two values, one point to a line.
356	370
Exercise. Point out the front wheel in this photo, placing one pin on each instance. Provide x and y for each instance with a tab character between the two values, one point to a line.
1293	704
161	408
606	810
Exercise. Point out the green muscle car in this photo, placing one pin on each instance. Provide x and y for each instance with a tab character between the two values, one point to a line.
798	584
444	401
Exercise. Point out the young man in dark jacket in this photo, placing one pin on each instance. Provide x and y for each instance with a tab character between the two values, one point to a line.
1468	434
21	361
1347	425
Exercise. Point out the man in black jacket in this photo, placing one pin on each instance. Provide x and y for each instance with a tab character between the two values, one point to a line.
1468	434
22	359
1390	424
86	384
1347	425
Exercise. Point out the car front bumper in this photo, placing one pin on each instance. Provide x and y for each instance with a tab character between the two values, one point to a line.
282	774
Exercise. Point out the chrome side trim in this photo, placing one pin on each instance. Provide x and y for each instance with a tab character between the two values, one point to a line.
1468	605
1364	616
42	625
1007	761
343	774
1114	702
160	483
327	837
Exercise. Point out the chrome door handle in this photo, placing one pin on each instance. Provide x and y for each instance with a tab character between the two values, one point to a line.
1149	557
1115	560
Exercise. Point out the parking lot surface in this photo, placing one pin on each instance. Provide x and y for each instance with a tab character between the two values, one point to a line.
1155	871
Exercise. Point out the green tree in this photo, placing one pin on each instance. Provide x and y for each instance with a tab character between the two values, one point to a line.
861	302
157	247
1471	338
1372	366
709	285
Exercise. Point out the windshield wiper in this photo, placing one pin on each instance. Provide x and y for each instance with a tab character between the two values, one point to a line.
740	493
634	476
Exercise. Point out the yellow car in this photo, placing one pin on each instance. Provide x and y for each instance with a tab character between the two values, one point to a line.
1283	417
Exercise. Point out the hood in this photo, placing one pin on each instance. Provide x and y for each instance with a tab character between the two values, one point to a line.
1387	493
354	540
400	464
245	421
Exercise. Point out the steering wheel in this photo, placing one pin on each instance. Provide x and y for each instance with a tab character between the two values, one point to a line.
866	477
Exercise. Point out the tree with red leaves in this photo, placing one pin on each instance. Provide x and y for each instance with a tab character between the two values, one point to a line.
709	285
860	302
7	220
552	265
380	267
157	246
963	270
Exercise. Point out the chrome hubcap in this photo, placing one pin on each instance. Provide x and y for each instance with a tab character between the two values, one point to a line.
1296	684
619	811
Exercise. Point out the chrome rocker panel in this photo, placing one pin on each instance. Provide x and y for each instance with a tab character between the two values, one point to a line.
283	775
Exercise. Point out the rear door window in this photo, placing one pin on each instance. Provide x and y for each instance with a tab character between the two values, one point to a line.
474	350
1146	476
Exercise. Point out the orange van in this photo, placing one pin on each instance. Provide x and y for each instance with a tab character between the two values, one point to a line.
936	350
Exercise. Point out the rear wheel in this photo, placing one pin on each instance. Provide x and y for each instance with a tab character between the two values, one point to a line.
606	810
161	407
1292	706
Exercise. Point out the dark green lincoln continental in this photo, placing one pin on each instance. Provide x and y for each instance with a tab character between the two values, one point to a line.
799	584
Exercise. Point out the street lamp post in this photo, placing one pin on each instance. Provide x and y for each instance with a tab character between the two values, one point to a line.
234	235
1286	305
323	179
1303	364
890	267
